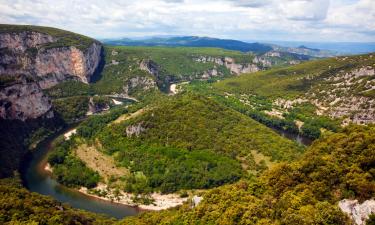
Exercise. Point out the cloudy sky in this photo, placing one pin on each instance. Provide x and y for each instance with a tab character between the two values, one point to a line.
302	20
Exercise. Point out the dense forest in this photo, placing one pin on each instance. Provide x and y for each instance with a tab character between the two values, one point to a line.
180	143
20	206
305	191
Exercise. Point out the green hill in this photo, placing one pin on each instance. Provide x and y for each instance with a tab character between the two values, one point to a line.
305	191
129	68
308	98
185	142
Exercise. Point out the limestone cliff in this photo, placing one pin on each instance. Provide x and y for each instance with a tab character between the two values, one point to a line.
230	64
34	60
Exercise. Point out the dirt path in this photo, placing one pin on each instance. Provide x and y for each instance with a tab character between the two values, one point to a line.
129	116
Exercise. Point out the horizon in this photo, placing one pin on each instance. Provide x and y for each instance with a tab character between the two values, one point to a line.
269	20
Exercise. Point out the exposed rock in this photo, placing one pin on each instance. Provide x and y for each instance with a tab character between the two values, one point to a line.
24	101
195	201
24	58
96	107
210	73
150	66
272	54
139	82
114	62
359	213
338	95
288	104
135	129
114	53
23	53
230	64
263	61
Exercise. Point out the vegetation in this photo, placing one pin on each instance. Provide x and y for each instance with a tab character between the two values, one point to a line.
19	206
69	170
305	191
6	80
167	169
291	82
194	122
71	109
186	142
191	41
64	38
69	89
256	95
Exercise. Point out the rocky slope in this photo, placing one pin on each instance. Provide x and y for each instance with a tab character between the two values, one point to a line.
32	59
36	58
230	64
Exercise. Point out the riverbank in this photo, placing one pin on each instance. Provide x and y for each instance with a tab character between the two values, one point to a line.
161	201
102	192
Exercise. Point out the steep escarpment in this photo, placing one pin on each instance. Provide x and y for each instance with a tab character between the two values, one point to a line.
36	58
230	64
32	59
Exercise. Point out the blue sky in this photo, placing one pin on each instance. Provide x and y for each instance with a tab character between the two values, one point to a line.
286	20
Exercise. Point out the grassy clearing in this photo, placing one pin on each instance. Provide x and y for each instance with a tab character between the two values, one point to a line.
104	164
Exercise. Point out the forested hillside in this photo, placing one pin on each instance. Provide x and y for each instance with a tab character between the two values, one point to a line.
20	206
309	98
182	142
305	191
159	127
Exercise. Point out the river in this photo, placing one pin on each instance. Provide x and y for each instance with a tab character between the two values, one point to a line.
38	180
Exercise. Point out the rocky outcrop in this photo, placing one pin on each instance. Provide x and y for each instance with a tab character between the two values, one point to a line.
359	213
138	83
134	130
343	95
230	64
97	106
31	59
210	73
24	101
150	66
30	53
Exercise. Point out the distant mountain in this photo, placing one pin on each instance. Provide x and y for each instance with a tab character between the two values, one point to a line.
193	41
340	48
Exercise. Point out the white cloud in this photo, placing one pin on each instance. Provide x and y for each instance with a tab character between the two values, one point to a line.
306	9
310	20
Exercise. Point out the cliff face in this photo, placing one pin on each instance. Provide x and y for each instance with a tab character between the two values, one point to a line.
230	64
33	61
24	101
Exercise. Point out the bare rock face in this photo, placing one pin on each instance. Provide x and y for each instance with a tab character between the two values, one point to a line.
135	130
30	59
24	101
359	213
140	83
230	64
150	67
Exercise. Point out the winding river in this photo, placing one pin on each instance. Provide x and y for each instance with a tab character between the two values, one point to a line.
37	179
